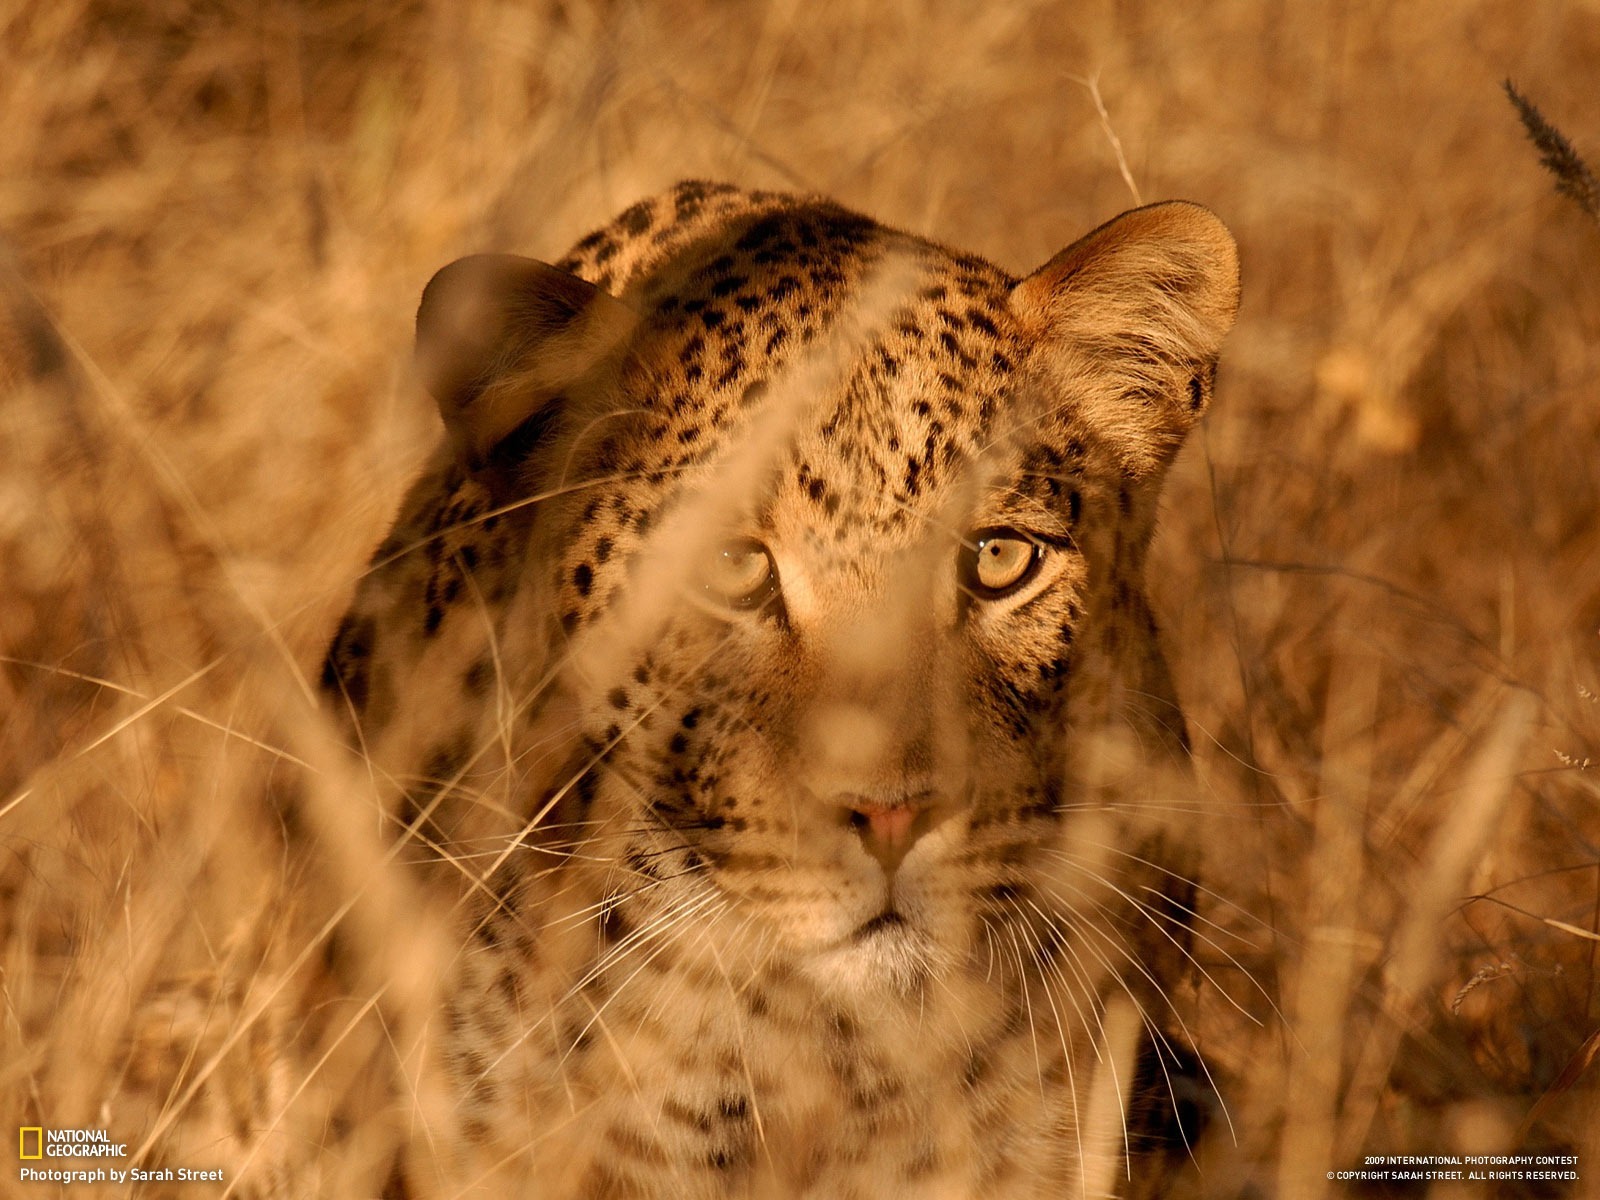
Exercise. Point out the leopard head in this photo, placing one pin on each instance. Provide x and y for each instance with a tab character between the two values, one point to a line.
824	572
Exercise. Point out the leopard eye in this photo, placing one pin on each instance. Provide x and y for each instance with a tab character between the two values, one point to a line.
997	562
740	574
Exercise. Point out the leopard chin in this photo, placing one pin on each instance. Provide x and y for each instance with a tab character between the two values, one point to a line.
889	953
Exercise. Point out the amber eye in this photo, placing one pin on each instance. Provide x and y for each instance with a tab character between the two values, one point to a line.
999	561
740	574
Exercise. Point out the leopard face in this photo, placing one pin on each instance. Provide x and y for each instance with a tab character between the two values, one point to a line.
779	585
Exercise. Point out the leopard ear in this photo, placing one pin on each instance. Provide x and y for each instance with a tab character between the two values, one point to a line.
500	338
1130	318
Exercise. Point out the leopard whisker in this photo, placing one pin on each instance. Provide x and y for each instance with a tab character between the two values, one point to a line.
1157	1034
715	904
1160	920
1183	878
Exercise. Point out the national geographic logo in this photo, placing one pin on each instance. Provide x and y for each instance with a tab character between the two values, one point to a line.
46	1146
38	1142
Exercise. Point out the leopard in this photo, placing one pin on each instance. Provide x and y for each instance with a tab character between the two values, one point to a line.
764	661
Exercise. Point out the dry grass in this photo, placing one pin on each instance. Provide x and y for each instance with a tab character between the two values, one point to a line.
1379	573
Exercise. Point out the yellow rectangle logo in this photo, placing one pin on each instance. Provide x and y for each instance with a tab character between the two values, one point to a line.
38	1141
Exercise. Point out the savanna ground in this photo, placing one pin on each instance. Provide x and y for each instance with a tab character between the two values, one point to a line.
1379	569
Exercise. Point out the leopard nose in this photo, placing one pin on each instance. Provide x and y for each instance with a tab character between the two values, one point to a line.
889	828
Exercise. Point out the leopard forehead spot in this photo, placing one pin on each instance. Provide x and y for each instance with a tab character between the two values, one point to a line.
686	612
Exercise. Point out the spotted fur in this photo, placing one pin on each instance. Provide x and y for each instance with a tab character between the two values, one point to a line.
864	883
